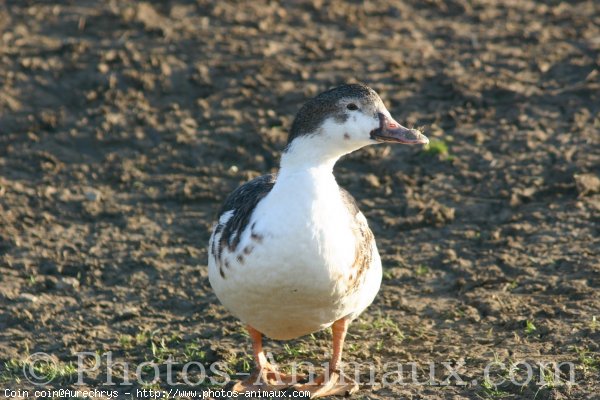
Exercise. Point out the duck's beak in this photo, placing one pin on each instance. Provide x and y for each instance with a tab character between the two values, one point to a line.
391	131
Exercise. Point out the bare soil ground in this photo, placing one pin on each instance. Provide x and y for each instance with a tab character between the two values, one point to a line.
124	124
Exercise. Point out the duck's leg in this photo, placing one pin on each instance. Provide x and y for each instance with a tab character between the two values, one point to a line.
265	376
333	382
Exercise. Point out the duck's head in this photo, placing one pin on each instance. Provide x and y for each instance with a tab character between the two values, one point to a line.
344	119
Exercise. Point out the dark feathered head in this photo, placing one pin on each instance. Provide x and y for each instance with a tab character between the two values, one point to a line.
349	117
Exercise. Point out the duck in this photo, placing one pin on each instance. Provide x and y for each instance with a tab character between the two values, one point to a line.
291	253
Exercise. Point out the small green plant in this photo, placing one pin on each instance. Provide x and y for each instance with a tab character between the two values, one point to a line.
588	360
160	350
529	327
53	371
548	377
142	337
12	371
245	364
240	329
352	347
439	148
47	370
236	363
193	352
387	275
455	312
435	147
295	351
126	341
388	324
421	270
491	391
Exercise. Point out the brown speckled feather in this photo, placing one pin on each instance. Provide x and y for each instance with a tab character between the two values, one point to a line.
363	252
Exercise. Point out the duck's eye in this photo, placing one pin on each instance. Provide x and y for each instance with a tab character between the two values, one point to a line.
352	106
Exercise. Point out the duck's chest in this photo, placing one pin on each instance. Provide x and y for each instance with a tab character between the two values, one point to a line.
304	226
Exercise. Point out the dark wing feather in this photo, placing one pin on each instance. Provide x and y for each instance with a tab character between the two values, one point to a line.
242	201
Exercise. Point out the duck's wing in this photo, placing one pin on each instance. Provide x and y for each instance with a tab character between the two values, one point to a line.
235	214
364	239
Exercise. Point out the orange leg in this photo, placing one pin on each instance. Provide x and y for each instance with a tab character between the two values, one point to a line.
265	375
332	382
339	329
259	356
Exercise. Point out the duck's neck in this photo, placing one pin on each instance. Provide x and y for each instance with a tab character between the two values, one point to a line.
309	155
305	185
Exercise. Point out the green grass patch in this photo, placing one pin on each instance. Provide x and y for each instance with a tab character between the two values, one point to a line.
438	148
491	391
589	361
385	325
42	369
529	327
421	270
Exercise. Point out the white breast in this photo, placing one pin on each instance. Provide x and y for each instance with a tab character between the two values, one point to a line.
289	274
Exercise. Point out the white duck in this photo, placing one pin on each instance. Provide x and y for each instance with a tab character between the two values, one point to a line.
291	253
